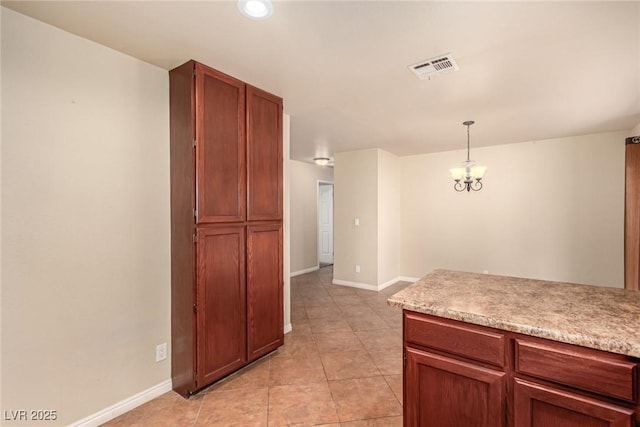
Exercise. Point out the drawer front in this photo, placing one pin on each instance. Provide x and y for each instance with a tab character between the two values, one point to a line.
473	342
585	369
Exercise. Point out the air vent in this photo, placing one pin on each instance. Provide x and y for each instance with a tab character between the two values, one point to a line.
442	64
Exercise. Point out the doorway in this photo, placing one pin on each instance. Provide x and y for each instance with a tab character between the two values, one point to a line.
325	223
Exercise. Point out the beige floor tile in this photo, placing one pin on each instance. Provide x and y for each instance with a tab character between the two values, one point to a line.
326	311
310	404
317	300
164	411
371	322
253	376
338	341
346	301
337	290
300	328
244	407
395	382
300	370
393	321
364	398
349	364
329	325
388	362
298	313
297	345
358	310
376	422
386	340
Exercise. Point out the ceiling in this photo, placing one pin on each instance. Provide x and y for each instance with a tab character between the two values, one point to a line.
528	70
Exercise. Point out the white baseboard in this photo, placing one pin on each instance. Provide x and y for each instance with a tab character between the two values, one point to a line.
288	328
358	285
123	406
370	287
407	279
305	271
388	283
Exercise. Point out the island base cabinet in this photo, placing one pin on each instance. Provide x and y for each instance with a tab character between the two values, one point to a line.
458	374
450	393
538	405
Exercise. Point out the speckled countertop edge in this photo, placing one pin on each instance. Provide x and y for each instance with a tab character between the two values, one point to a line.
590	316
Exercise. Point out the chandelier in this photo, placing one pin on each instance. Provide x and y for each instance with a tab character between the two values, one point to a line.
469	175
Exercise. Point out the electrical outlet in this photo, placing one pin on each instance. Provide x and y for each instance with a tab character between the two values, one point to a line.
161	352
357	269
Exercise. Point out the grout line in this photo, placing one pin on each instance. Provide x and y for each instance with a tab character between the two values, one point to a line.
195	421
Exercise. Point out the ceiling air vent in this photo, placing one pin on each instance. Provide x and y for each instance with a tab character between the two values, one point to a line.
442	64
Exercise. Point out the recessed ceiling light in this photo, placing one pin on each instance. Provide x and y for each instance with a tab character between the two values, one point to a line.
321	161
256	9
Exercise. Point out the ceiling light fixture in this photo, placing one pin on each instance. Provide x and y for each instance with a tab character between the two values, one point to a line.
321	161
471	173
256	9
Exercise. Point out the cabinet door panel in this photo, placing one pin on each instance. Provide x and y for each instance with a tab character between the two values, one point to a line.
264	155
541	406
220	149
265	327
221	296
444	392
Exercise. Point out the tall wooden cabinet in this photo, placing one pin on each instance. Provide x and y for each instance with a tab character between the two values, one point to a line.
226	225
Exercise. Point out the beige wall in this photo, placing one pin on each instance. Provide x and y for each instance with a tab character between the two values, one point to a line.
304	213
85	221
389	221
355	196
635	131
549	210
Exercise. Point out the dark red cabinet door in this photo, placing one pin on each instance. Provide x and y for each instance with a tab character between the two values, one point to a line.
220	148
445	392
265	329
221	307
264	155
537	405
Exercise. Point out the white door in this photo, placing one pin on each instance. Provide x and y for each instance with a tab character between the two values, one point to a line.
325	223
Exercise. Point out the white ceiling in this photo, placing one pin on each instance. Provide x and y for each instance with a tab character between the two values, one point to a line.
528	70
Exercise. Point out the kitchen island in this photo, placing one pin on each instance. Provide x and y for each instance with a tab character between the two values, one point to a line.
495	351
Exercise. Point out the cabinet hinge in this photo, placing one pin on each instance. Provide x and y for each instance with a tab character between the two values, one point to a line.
195	310
404	359
195	142
195	213
195	237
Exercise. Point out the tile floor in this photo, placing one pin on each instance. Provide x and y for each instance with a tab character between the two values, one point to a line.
341	366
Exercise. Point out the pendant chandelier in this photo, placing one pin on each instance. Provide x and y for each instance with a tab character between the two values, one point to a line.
469	175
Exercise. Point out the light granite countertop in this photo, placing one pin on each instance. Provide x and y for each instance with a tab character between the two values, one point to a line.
590	316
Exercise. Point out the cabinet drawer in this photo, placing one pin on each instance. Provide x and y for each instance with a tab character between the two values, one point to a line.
473	342
585	369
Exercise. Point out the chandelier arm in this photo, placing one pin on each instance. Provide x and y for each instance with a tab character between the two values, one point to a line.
458	186
477	186
468	148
